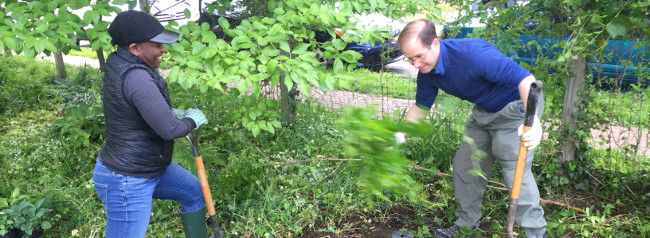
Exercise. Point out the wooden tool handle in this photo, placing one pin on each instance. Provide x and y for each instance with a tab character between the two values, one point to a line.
531	112
205	188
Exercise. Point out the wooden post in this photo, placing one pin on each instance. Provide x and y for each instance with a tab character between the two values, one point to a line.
569	112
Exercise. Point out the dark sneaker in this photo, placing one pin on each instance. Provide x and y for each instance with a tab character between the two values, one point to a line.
454	232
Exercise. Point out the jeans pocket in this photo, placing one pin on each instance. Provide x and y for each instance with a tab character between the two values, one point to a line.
101	190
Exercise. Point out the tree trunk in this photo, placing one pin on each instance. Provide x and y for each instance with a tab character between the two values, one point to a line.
288	99
570	110
60	66
100	58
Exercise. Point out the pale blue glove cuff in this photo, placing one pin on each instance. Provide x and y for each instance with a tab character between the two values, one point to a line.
178	113
197	116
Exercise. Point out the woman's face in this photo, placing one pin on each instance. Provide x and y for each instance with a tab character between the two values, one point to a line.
149	52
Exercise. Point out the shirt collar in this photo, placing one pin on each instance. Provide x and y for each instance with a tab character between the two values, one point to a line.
440	68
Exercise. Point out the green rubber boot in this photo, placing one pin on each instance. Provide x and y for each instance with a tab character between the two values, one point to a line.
194	224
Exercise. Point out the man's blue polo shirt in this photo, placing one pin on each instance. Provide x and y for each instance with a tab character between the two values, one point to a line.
473	70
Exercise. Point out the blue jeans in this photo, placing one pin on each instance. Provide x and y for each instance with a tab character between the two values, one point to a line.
127	200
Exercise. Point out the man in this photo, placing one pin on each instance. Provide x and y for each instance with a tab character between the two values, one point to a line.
135	164
475	70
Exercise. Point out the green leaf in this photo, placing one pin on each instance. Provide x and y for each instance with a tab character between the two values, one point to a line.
288	82
618	27
255	130
51	6
208	37
198	49
270	51
46	225
252	115
224	23
10	43
304	88
49	46
339	44
263	59
173	74
285	46
187	13
276	123
300	49
338	66
95	16
262	125
194	65
262	41
278	11
39	46
211	52
270	128
271	66
241	86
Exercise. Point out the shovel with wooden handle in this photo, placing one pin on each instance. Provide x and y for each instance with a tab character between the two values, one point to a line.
200	170
531	108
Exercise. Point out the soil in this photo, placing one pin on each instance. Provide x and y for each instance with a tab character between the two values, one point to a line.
363	225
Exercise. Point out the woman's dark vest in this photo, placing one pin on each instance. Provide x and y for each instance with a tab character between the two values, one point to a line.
132	147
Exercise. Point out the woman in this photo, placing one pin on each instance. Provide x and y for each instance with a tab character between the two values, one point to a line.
134	165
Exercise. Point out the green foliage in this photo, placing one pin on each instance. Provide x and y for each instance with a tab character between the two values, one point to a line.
256	115
277	40
295	180
81	125
33	27
26	216
24	84
382	168
86	52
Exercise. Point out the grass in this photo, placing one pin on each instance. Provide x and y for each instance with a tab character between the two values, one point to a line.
383	83
281	184
629	112
86	52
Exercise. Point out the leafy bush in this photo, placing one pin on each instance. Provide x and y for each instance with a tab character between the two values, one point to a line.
25	216
25	84
83	124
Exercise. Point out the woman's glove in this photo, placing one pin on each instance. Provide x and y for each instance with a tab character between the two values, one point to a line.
197	116
178	113
533	136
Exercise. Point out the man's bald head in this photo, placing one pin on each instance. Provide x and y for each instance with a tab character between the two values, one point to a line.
423	29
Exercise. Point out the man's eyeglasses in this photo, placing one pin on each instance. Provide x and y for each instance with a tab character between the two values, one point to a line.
417	57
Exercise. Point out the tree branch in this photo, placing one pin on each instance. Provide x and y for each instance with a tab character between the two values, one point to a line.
501	186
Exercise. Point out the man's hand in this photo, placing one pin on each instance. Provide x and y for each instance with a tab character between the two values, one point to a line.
533	136
400	137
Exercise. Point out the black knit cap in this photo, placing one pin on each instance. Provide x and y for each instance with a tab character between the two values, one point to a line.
137	27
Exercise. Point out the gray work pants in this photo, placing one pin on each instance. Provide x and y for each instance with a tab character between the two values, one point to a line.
496	134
